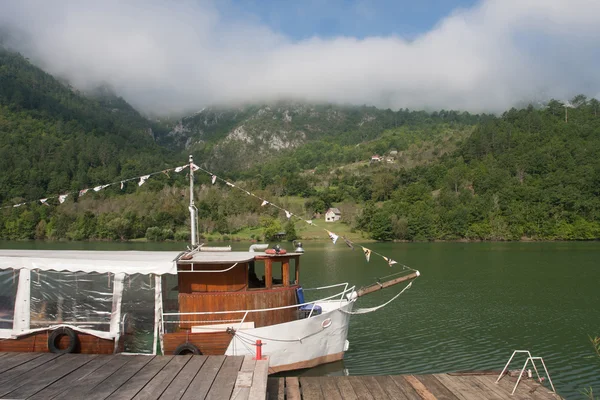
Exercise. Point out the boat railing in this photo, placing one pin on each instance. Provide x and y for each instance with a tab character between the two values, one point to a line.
338	297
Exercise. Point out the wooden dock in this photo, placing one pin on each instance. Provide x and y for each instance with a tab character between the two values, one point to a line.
406	387
120	377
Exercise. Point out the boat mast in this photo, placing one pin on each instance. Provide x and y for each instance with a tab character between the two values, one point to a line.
192	206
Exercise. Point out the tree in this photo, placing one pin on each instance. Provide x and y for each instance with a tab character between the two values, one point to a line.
290	231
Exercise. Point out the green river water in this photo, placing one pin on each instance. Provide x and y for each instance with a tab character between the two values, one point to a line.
473	305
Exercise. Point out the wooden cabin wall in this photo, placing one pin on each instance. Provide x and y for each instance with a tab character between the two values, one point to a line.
229	281
245	300
38	342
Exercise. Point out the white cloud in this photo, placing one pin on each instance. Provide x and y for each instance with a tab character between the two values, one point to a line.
165	56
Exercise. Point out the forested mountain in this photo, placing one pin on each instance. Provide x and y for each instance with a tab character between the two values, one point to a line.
54	139
528	174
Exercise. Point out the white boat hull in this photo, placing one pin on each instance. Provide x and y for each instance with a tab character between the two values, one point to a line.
299	344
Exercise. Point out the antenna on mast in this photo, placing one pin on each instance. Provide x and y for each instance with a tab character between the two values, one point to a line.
192	207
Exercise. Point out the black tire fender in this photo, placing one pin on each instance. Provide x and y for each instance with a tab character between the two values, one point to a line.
187	348
58	333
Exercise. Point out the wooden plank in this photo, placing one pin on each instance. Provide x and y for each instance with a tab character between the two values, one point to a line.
436	387
310	387
51	373
113	382
140	378
461	389
7	379
82	386
203	380
70	380
179	385
292	388
507	383
223	384
344	387
276	388
258	390
475	386
359	388
16	359
160	382
248	364
329	388
374	388
405	387
492	387
243	382
390	387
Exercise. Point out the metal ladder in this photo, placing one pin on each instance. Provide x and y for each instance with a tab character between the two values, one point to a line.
529	358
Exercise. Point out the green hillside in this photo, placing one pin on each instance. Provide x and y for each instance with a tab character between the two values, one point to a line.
528	174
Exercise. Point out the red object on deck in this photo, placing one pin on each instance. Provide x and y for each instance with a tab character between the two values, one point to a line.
259	349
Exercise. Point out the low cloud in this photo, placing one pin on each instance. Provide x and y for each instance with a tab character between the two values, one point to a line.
166	56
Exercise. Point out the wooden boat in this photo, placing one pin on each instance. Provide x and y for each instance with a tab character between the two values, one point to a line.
203	301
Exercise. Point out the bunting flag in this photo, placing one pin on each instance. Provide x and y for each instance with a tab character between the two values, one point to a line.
143	179
83	191
62	198
229	184
389	261
99	188
179	169
122	185
213	179
264	203
348	243
309	221
367	253
18	205
289	214
43	201
333	236
195	167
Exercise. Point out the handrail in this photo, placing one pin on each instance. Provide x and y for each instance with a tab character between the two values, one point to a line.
260	309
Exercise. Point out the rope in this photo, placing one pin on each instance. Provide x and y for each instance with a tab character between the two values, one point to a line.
372	309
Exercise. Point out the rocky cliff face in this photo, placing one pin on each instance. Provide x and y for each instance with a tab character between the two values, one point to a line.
240	137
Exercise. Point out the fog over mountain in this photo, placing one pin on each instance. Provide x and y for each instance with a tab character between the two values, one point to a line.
165	56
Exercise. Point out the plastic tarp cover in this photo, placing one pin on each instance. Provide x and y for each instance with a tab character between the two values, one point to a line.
170	297
79	299
137	313
9	281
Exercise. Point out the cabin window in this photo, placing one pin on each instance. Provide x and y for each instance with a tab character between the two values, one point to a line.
256	275
137	313
80	299
9	281
277	273
293	267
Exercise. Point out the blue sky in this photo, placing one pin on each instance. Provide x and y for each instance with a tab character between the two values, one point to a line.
302	19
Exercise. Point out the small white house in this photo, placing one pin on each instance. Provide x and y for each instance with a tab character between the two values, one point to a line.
376	158
333	214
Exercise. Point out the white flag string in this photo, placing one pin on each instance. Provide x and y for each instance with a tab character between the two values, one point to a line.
78	193
289	215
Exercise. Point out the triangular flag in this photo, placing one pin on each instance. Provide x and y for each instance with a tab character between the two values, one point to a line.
348	243
97	188
389	261
367	253
43	201
195	167
18	205
229	184
143	179
179	169
309	221
213	179
264	203
288	214
333	236
82	192
122	185
62	198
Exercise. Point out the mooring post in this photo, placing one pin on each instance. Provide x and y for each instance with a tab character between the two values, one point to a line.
259	349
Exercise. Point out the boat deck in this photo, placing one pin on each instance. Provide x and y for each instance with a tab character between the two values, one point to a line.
410	387
95	377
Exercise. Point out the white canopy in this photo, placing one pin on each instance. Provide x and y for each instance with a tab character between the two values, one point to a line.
128	262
